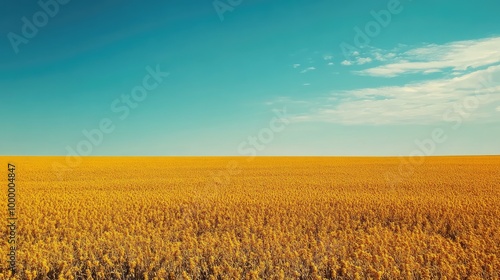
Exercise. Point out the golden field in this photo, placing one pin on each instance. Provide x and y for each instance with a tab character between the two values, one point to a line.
268	218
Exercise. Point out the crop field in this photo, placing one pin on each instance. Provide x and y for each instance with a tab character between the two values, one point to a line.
266	218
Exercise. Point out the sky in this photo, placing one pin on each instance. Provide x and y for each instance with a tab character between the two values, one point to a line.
250	77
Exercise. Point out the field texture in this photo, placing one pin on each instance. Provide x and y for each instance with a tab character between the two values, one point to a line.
269	218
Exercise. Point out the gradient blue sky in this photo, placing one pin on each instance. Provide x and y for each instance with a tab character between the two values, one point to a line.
227	76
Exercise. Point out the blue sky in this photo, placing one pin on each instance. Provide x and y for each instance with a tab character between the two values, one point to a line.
277	72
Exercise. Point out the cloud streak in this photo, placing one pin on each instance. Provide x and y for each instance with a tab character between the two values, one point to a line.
308	69
457	56
416	103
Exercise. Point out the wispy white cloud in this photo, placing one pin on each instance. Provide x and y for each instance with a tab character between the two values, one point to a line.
327	57
430	71
379	55
357	61
415	103
308	69
296	65
306	84
456	56
363	60
459	71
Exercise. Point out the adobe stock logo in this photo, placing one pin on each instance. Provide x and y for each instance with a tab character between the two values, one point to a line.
121	107
253	145
225	6
363	36
457	114
39	19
